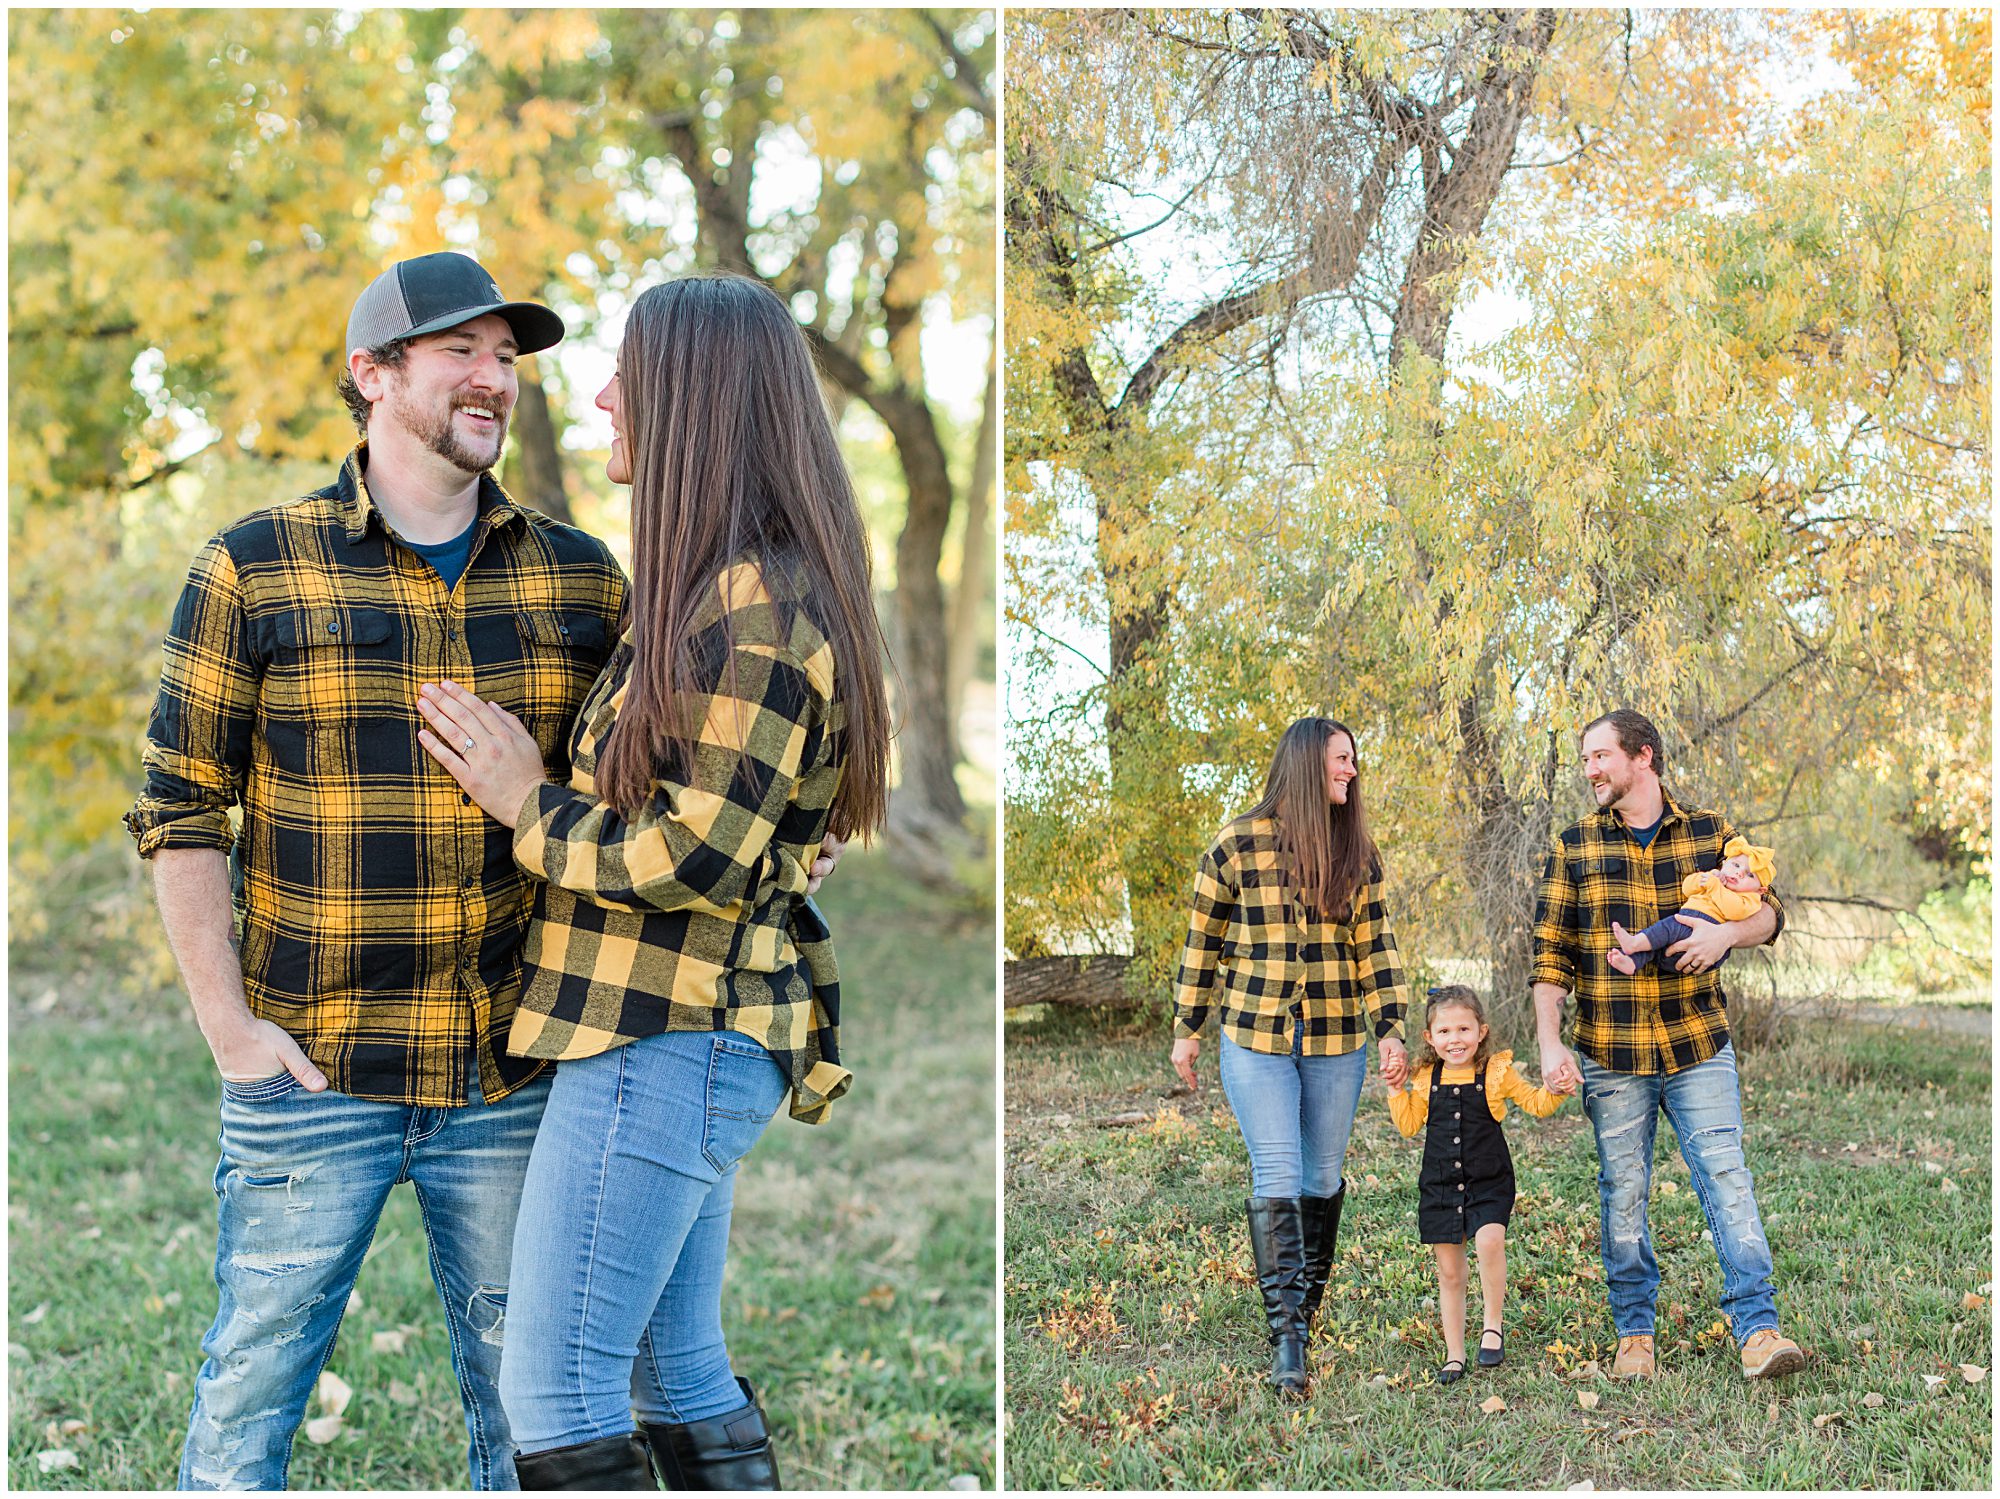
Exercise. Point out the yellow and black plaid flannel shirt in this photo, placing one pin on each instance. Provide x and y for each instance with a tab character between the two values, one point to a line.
1276	968
1657	1020
692	915
381	910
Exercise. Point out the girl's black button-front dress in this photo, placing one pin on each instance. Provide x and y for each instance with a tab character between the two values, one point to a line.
1467	1179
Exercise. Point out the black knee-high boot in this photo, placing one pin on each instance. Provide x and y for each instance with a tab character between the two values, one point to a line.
608	1463
1321	1220
1277	1243
730	1451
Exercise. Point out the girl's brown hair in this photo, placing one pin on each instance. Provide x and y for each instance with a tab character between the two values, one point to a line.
1326	846
1453	997
733	457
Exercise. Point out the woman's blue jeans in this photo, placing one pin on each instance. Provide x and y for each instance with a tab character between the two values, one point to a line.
1296	1113
616	1302
1705	1104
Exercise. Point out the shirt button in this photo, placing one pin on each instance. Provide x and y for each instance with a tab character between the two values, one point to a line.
1454	1139
1461	1186
466	797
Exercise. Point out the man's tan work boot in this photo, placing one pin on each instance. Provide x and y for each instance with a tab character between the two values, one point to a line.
1770	1354
1635	1357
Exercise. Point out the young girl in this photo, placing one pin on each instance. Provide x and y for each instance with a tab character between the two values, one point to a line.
1467	1179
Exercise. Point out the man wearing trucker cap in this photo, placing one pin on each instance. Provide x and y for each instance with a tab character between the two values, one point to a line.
359	1019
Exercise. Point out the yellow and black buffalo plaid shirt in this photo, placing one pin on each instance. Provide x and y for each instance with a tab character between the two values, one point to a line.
382	912
1275	966
1657	1020
692	914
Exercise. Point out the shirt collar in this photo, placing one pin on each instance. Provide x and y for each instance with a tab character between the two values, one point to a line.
496	506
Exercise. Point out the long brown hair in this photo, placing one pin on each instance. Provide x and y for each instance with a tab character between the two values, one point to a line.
733	457
1327	850
1454	997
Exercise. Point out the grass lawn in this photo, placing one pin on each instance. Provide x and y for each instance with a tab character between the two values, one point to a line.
1135	1342
860	1293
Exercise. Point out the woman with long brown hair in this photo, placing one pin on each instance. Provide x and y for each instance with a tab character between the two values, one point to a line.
674	968
1289	940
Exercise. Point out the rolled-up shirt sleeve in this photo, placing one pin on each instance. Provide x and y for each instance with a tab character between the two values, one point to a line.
198	739
1555	923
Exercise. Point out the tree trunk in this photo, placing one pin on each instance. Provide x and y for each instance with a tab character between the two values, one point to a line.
927	803
1078	982
974	565
535	472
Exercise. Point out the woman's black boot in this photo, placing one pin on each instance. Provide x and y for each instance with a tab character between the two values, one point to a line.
731	1451
1277	1243
607	1463
1320	1217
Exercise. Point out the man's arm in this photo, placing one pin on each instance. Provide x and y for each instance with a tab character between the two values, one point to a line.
1559	1069
192	888
1553	976
1710	942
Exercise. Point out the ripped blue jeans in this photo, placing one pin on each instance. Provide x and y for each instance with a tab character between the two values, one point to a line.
301	1185
1704	1104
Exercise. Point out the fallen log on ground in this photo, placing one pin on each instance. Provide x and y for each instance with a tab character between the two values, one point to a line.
1081	982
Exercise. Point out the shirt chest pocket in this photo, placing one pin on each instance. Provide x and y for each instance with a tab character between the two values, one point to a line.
561	653
332	676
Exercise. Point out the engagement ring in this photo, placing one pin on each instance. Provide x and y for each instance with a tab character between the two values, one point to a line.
468	746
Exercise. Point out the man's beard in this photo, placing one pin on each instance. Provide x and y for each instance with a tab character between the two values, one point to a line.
435	430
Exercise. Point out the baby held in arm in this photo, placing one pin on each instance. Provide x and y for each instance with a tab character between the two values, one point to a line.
1732	893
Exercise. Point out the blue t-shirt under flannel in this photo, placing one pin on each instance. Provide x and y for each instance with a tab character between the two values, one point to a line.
448	558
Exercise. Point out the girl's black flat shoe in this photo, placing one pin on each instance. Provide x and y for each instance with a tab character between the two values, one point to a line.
1452	1372
1494	1357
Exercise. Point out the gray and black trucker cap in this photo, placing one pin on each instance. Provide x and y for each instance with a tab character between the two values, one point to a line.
434	292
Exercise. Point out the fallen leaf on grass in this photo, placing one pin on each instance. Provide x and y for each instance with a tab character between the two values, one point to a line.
1771	1414
73	1428
1972	1301
402	1394
1378	1382
56	1459
1865	1330
1586	1370
388	1342
1588	1399
1581	1486
1493	1405
1873	1400
880	1298
1828	1418
323	1429
1934	1383
1932	1168
334	1393
963	1483
35	1316
1947	1186
1971	1373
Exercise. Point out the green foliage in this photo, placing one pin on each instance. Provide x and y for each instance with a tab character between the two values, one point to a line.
1714	446
1946	946
1135	1342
